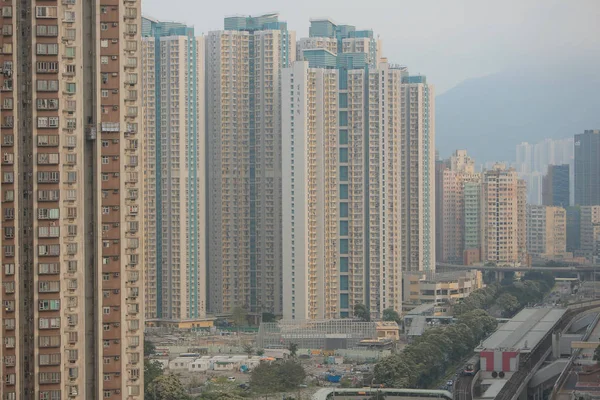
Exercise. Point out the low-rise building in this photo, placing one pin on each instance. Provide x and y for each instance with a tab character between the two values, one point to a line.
388	330
441	287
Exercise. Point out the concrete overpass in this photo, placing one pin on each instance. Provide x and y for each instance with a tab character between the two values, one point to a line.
500	271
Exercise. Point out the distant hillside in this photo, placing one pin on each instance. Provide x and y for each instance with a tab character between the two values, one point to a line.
489	116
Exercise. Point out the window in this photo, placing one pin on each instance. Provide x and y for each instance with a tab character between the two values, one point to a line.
49	305
103	26
48	268
71	141
70	52
9	323
46	30
49	377
46	12
48	213
71	177
9	195
48	250
47	86
69	16
48	195
9	269
47	140
49	323
7	103
104	43
9	342
70	69
70	87
48	231
47	104
50	49
47	158
70	34
50	359
48	286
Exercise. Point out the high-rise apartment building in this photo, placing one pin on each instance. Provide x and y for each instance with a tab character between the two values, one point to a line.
72	315
440	166
556	186
418	174
342	191
472	218
455	178
503	221
546	231
243	96
174	171
590	233
587	168
341	227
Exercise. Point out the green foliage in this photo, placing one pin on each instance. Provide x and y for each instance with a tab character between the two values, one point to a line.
239	316
152	370
362	312
293	348
509	296
248	349
166	387
269	317
222	389
277	377
425	361
389	314
149	348
260	352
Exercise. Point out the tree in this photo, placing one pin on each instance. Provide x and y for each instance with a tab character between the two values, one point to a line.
508	303
166	387
240	316
361	312
248	349
277	377
260	352
152	370
389	314
149	348
269	317
293	348
221	390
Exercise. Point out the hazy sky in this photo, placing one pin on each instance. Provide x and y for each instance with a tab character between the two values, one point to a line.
447	40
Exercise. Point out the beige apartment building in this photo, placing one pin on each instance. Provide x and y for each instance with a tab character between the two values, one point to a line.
418	174
243	98
590	233
446	287
454	205
72	316
174	165
546	232
503	221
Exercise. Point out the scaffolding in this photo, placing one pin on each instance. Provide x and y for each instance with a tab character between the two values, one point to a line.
330	334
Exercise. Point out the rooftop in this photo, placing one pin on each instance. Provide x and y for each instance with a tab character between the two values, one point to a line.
525	330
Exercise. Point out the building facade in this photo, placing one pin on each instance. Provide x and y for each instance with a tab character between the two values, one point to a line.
71	198
341	190
556	186
418	174
590	233
546	232
174	165
440	288
503	221
455	179
587	168
243	96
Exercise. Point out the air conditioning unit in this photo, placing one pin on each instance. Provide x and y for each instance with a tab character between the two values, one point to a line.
115	24
115	40
114	57
115	91
115	108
